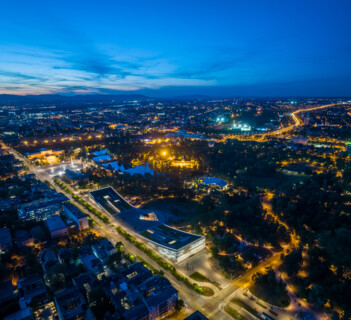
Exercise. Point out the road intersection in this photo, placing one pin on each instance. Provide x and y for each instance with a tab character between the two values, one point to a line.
212	307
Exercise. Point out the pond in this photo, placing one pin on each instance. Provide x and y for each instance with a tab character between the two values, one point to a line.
141	169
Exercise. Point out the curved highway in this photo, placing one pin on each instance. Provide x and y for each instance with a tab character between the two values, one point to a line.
296	119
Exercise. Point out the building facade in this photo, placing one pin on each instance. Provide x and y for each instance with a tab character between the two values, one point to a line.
72	212
173	244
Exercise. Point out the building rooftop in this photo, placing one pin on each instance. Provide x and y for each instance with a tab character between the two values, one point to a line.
70	304
55	223
135	291
65	254
135	274
103	249
156	290
22	236
110	200
31	211
74	210
5	235
84	282
32	287
47	258
75	175
170	237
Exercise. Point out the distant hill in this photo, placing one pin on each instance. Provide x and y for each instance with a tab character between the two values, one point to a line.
12	98
103	98
191	97
9	98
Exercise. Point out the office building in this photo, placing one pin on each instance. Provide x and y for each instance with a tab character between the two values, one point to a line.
56	226
72	212
172	243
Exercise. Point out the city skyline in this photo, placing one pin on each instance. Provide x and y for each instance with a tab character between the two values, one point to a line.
178	160
168	49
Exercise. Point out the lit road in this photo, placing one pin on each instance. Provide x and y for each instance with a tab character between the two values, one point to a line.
212	307
267	206
295	118
193	300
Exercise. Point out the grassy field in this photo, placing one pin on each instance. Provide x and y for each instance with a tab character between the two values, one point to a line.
261	304
197	276
244	306
206	291
233	313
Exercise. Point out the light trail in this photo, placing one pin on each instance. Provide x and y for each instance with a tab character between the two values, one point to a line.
296	119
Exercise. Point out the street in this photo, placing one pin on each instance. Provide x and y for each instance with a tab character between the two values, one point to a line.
211	307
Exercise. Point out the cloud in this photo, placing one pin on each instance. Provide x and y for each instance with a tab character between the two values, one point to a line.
18	75
98	64
221	63
88	71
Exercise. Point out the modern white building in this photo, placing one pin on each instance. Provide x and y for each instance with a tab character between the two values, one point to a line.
173	244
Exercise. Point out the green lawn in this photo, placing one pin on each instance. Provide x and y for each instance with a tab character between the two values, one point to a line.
261	304
206	291
197	276
234	314
245	306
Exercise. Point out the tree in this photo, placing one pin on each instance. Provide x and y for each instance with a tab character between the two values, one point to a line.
96	296
179	305
114	260
292	262
335	316
99	303
3	271
119	246
56	275
317	296
268	288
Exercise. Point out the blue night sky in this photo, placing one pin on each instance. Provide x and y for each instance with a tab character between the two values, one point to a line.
165	48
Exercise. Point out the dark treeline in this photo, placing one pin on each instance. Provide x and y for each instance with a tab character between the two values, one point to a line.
319	210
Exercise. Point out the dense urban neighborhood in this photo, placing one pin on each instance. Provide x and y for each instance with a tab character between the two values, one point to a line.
140	208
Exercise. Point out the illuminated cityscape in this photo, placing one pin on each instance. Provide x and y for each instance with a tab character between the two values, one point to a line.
142	181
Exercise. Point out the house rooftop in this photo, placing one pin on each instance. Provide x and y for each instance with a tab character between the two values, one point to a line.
70	303
156	289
